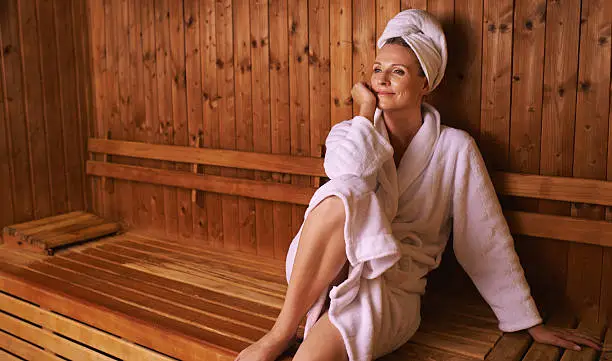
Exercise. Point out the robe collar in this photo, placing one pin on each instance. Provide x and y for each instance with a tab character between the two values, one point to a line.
419	151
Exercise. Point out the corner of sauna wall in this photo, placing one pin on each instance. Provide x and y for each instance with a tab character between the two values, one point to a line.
45	109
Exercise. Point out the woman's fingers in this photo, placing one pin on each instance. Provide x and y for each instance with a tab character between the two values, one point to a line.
561	342
578	339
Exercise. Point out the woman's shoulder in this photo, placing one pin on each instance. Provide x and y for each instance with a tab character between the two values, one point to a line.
455	139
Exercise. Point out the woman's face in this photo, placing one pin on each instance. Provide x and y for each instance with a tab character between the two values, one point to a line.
396	80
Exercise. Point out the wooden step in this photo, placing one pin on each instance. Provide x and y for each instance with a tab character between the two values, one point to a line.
48	234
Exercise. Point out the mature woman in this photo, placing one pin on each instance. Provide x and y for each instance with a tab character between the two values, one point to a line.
399	182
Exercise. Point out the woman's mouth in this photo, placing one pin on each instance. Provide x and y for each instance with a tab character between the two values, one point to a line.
384	93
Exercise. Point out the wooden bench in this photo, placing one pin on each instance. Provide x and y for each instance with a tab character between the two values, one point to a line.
136	297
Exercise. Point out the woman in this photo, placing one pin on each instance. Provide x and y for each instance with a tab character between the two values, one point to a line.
399	182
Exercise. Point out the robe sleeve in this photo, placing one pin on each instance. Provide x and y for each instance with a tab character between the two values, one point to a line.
484	247
355	148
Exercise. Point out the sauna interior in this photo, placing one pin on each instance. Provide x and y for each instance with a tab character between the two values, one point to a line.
188	135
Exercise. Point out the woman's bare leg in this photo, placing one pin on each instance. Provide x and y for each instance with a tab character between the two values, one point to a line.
319	259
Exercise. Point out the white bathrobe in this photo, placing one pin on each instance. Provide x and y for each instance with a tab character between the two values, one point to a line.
398	221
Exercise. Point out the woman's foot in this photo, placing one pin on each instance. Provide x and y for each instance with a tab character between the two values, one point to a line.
268	348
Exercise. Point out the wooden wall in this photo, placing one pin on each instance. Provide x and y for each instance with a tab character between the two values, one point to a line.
44	108
529	79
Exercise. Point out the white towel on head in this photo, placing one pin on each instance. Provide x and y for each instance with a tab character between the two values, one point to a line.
424	34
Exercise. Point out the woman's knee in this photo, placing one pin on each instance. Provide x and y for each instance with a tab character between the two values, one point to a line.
324	342
330	210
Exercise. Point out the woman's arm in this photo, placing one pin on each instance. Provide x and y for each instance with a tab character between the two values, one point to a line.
354	147
484	247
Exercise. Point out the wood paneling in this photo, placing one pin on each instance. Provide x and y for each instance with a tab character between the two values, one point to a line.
529	79
44	106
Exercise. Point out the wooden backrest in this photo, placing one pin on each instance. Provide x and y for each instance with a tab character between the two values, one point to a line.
508	184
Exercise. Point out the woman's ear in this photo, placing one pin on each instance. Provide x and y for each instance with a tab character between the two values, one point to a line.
425	86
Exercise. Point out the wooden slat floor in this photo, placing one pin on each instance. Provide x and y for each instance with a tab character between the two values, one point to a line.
136	294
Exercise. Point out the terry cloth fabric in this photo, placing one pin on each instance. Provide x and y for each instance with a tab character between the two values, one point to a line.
398	222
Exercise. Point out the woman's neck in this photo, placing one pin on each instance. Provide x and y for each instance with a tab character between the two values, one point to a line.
402	125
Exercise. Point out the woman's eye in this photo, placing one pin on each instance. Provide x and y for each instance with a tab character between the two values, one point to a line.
377	70
399	72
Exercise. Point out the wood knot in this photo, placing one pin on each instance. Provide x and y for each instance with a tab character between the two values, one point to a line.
529	25
516	78
219	63
561	91
7	49
584	86
492	28
190	21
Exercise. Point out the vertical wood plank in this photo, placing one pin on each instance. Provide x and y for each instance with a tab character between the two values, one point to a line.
16	125
527	81
364	41
319	76
124	124
260	57
525	130
605	312
341	60
590	139
193	69
140	216
6	148
52	112
414	4
279	114
164	95
227	114
213	104
465	65
34	112
97	21
111	106
497	64
385	11
243	68
73	149
81	38
179	112
299	94
558	111
152	208
444	11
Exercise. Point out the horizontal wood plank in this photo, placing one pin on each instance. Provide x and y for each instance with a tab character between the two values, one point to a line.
511	347
461	346
49	341
7	356
568	189
560	227
216	157
24	349
78	331
101	312
288	193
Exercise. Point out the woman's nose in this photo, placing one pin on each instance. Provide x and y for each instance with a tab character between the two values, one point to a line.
382	78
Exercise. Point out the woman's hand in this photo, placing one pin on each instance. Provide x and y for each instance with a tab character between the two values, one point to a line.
563	337
365	98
